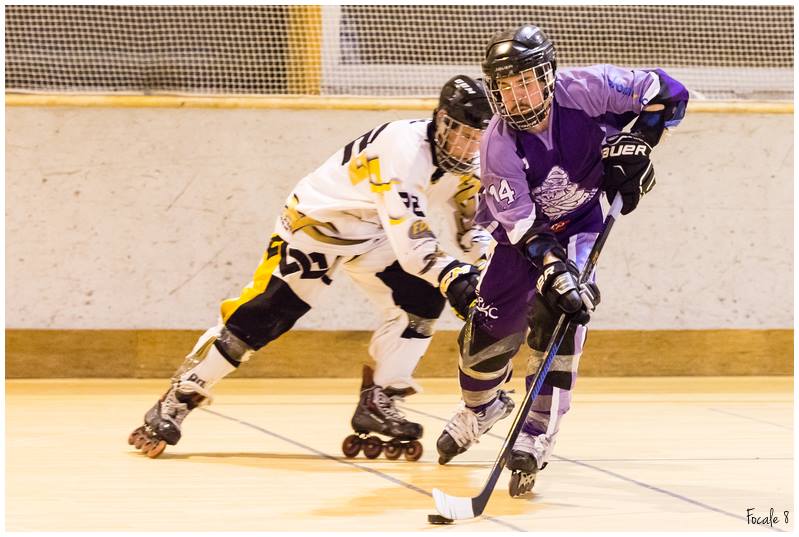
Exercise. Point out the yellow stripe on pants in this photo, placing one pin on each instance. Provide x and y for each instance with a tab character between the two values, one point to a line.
260	280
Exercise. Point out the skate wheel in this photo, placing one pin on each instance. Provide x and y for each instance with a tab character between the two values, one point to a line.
140	441
351	446
393	450
373	447
156	448
145	444
413	451
134	435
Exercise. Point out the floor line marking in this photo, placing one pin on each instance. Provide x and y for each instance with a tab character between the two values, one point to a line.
378	473
750	418
614	474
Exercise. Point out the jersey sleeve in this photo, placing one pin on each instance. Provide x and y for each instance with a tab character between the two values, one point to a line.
410	235
506	193
616	96
603	89
472	239
401	206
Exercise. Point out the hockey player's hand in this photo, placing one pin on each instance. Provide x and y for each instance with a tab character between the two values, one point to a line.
558	286
627	168
589	292
458	282
474	239
481	262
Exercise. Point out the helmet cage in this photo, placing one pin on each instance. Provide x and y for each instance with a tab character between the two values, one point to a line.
457	145
533	85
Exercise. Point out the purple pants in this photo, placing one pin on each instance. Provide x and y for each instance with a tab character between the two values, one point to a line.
508	304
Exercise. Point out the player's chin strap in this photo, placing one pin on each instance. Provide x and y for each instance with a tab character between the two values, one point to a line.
461	508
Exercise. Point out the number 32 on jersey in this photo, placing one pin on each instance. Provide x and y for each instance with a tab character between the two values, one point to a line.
505	192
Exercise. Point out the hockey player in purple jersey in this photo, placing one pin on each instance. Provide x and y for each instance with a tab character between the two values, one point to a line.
554	145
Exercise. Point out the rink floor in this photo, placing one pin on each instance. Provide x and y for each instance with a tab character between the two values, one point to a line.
635	454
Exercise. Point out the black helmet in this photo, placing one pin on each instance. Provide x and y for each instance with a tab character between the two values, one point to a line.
462	114
525	51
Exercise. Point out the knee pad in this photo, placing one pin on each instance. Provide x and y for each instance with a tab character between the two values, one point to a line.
267	316
228	344
564	366
483	352
418	327
232	348
559	379
562	371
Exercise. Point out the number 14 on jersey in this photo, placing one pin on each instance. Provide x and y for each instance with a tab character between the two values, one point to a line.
505	192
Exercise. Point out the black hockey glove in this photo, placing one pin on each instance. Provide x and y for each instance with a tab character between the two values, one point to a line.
627	168
558	286
458	282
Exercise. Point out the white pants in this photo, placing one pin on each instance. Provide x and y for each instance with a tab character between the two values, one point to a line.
288	281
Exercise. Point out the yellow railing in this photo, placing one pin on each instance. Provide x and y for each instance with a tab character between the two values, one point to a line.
322	103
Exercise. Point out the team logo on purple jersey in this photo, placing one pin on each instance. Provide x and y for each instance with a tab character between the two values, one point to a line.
558	196
486	309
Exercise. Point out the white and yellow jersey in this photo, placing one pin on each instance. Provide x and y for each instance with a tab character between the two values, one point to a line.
375	189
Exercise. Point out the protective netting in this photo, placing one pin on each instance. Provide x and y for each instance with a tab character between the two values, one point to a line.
723	52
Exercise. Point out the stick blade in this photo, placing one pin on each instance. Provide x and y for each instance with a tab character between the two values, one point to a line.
453	507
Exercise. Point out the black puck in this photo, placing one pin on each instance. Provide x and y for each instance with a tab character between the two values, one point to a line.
438	519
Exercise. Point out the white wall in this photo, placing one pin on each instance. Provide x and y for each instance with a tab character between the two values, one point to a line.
147	218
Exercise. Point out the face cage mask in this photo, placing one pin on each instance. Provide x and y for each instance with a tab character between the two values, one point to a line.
534	85
457	145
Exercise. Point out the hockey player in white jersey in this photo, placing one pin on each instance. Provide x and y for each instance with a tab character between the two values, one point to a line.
364	210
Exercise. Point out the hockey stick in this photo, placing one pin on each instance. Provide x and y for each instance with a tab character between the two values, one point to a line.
461	508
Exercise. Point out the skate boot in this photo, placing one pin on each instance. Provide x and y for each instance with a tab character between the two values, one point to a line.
523	465
466	426
377	413
162	421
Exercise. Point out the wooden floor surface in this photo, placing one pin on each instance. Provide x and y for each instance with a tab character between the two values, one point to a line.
635	454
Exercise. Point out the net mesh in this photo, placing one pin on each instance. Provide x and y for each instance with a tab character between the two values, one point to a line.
719	52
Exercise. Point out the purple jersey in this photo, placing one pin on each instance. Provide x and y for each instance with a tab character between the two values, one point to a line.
549	181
